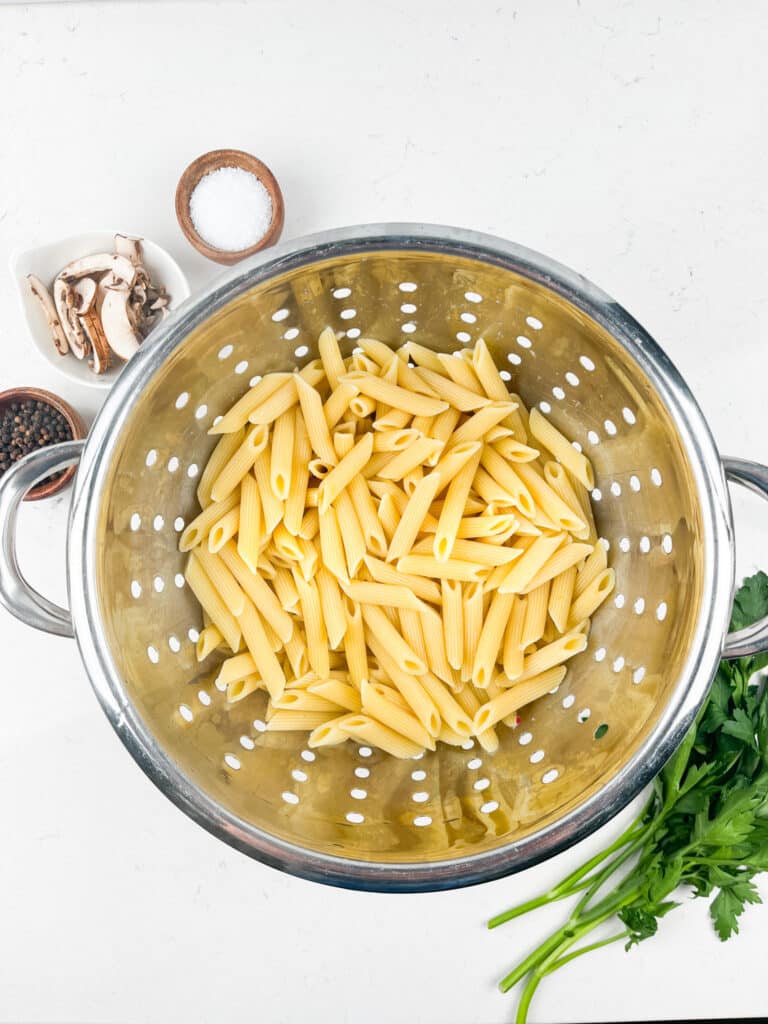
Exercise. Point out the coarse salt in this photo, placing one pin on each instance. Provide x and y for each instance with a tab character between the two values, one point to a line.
230	208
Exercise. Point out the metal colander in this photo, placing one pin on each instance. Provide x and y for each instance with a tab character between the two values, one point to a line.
351	815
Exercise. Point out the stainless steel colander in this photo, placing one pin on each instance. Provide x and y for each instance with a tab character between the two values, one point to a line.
353	816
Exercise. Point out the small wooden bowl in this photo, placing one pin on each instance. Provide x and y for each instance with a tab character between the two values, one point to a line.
76	425
212	161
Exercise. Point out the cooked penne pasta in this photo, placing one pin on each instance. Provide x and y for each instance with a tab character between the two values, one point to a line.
331	547
219	457
454	394
382	572
375	703
281	400
296	721
449	569
596	563
330	356
577	464
272	508
225	528
314	624
207	641
587	603
404	655
491	639
392	394
413	515
561	598
197	531
237	416
512	656
523	570
453	622
212	603
315	422
387	595
337	692
332	607
460	372
342	474
564	558
473	624
516	697
260	648
453	509
535	615
367	730
552	654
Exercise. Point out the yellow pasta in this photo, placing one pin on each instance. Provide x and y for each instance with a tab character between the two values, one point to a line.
423	356
376	704
261	651
561	598
403	462
238	415
331	546
552	654
342	474
453	622
382	572
392	394
367	730
491	639
578	465
457	395
330	356
296	721
512	656
460	372
535	615
197	531
409	687
281	462
272	508
517	696
219	457
564	558
473	624
258	591
595	564
587	603
222	580
212	603
280	401
314	420
453	509
207	641
317	638
525	568
404	655
413	515
225	528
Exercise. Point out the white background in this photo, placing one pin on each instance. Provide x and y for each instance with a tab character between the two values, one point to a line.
625	139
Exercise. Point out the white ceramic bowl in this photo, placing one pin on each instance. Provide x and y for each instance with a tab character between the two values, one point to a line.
47	260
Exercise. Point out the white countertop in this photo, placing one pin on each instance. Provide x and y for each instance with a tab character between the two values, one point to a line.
625	143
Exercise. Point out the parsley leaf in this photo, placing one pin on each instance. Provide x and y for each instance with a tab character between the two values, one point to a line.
729	904
751	601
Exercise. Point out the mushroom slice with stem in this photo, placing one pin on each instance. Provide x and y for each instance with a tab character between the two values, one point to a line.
130	247
100	263
100	357
66	306
116	321
43	296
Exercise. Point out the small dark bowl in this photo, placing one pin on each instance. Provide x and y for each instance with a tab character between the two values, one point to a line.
212	161
76	425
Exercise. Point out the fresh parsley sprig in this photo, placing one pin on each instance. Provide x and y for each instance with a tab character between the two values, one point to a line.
705	827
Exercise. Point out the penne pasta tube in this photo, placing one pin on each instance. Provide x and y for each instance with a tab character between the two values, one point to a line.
449	569
314	624
474	551
207	641
331	547
296	651
535	615
305	700
402	653
382	572
330	356
558	651
512	654
258	591
561	598
388	516
380	352
211	602
285	589
453	508
523	570
491	639
373	533
197	531
407	377
241	688
393	419
384	594
510	480
393	395
332	607
410	629
224	529
516	697
460	372
272	508
367	730
453	622
596	563
408	686
315	422
577	464
423	356
564	558
296	721
473	624
413	515
222	580
352	537
515	451
414	456
587	603
478	425
329	733
376	704
261	651
237	416
453	461
310	525
280	401
456	395
338	692
237	667
219	457
355	646
249	522
341	475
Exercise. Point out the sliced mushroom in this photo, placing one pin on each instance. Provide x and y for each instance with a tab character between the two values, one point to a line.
99	358
115	318
64	299
42	294
100	263
130	247
85	294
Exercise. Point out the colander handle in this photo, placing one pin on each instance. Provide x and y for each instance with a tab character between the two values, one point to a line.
21	599
743	643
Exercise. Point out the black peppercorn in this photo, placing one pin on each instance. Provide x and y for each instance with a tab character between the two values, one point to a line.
26	426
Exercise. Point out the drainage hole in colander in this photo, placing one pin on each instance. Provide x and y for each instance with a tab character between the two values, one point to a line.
217	420
474	763
407	286
569	701
419	775
524	342
341	293
158	523
290	798
178	524
600	654
645	545
572	379
354	818
634	483
610	428
159	584
362	773
186	712
629	416
291	334
353	332
666	544
594	438
408	328
151	458
226	351
514	358
364	751
178	579
656	477
200	411
587	363
299	775
558	393
534	322
524	739
583	715
639	606
308	756
408	308
259	726
577	446
135	522
638	675
468	318
490	807
536	756
619	601
550	776
348	314
193	634
280	314
204	698
422	820
616	489
301	351
468	745
463	337
174	643
482	784
661	611
505	376
135	589
421	797
473	296
247	743
618	664
232	762
358	794
182	400
624	544
601	730
254	380
173	464
241	367
153	654
418	757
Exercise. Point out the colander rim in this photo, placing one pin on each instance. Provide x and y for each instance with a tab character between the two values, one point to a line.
695	678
